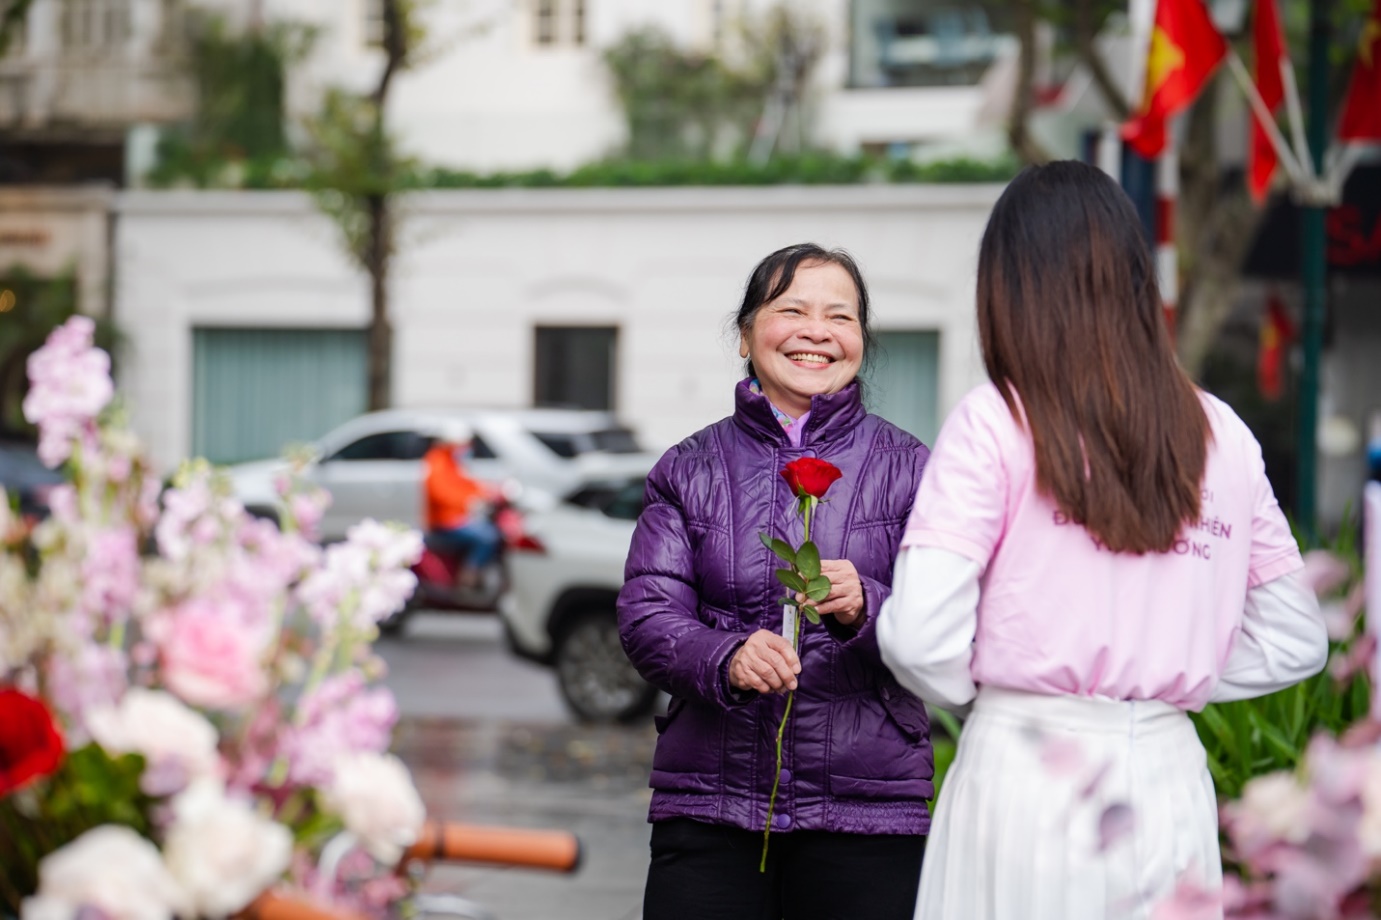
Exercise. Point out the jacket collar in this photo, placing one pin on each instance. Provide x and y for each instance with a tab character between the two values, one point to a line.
830	416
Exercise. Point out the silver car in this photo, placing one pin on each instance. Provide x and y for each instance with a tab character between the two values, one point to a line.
565	576
372	465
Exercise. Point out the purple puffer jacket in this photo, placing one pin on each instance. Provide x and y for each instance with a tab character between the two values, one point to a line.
856	752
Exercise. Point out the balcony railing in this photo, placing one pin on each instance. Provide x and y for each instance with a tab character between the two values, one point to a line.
96	63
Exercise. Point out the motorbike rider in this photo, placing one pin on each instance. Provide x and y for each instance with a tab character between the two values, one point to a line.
456	504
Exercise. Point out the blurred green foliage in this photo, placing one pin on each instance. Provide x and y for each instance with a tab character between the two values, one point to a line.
681	104
90	788
239	126
816	168
944	744
12	17
1251	737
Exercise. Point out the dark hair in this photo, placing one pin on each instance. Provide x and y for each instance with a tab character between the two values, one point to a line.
1070	319
773	276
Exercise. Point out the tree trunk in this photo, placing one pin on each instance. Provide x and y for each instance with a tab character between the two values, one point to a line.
1023	98
379	244
378	260
1215	228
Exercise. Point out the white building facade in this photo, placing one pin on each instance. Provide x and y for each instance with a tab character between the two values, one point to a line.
634	285
521	84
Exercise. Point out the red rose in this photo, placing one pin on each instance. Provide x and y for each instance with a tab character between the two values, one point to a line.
30	745
810	476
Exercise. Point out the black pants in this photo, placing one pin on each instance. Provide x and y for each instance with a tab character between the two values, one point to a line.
707	872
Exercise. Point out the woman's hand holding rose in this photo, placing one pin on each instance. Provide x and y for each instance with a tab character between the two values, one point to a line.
766	663
845	601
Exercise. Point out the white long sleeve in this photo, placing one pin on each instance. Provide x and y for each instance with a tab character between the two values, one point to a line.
1282	642
926	628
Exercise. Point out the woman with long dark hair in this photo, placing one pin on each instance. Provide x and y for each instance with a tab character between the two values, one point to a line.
1094	550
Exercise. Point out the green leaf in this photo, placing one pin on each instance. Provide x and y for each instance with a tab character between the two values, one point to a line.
812	614
818	588
947	721
781	548
808	560
791	580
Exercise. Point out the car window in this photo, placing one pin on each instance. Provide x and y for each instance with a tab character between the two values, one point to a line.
563	445
627	503
616	441
480	450
622	501
609	441
386	445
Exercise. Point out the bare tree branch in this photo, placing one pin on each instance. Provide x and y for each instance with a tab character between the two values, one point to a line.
1086	28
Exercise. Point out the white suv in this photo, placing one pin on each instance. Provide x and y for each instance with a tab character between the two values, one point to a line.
565	576
372	464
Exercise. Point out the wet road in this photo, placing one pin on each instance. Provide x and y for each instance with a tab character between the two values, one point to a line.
489	742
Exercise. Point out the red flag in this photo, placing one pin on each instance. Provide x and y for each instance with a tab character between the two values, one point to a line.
1185	49
1277	332
1361	119
1270	55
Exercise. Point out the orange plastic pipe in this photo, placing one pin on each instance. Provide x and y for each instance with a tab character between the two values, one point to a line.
558	851
275	906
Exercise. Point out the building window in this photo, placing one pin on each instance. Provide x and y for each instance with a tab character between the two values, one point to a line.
575	366
89	25
255	390
558	22
577	22
904	381
374	27
925	42
546	22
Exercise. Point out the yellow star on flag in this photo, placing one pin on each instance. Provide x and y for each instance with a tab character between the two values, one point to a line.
1163	58
1371	33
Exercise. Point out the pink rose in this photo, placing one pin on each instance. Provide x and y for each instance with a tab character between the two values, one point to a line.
213	662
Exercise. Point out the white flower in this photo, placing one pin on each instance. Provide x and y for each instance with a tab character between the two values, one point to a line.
395	546
109	868
1276	807
375	797
221	851
159	726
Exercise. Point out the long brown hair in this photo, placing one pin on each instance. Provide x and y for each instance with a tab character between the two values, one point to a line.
1071	325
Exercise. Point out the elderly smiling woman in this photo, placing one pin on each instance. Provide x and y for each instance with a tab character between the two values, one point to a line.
701	617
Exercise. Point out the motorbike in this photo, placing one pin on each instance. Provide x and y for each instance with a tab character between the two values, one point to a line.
438	586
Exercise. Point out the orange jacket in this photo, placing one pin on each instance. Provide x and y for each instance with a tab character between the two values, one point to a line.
449	493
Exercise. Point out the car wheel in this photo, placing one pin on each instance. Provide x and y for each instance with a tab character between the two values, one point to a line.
596	678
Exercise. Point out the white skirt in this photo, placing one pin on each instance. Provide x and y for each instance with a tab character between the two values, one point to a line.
1069	808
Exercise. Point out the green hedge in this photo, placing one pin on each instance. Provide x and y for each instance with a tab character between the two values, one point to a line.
808	169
